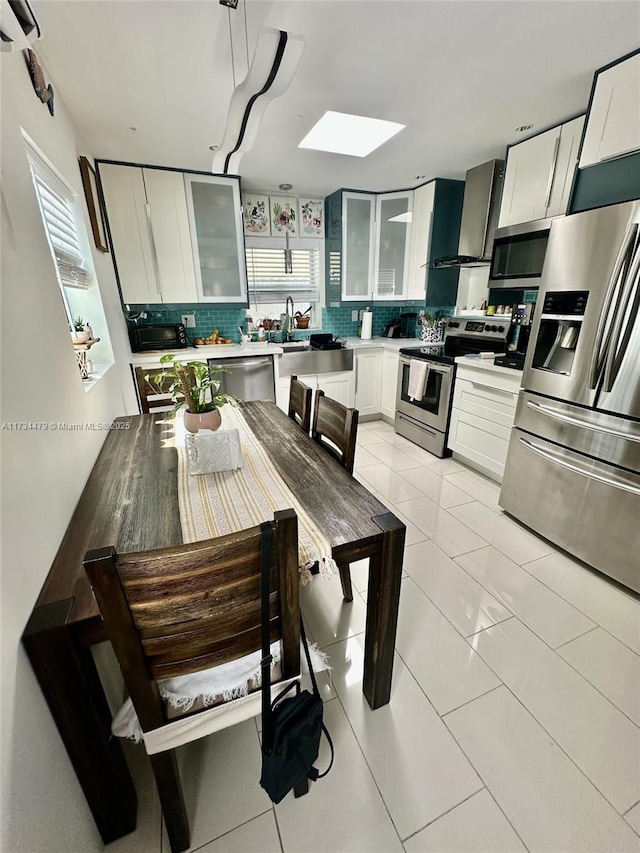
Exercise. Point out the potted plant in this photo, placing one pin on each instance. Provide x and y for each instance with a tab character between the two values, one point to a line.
196	386
80	333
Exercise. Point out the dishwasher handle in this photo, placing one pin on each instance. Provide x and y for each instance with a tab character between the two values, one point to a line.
230	364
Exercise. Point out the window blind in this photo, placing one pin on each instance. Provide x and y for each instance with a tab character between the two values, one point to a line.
269	283
56	202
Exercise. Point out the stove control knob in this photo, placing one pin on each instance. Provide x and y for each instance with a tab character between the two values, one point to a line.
488	328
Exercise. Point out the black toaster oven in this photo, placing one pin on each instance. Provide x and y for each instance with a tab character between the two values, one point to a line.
157	337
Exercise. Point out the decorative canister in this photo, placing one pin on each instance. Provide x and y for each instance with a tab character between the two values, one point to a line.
431	334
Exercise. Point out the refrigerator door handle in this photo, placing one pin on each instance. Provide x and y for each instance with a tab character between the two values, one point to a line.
579	422
602	341
621	332
563	463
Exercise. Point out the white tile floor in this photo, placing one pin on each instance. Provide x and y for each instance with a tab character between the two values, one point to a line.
514	715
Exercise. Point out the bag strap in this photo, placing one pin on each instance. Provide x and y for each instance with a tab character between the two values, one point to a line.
265	557
312	674
266	532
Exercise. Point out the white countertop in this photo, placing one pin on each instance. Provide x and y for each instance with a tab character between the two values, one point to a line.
487	364
242	350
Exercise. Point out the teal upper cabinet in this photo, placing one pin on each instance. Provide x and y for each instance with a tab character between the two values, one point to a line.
367	244
378	246
215	222
392	246
539	174
147	215
435	233
613	121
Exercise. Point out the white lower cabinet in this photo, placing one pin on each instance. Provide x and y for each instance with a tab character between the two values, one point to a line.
368	384
338	386
483	412
389	383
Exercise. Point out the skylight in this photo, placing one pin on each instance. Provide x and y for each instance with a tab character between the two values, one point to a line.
342	133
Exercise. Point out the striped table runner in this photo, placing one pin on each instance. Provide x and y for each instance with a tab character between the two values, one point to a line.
226	501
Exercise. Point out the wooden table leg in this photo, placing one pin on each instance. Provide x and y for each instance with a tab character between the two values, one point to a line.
69	680
383	600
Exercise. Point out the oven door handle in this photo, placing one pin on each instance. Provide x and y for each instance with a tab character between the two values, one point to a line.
433	366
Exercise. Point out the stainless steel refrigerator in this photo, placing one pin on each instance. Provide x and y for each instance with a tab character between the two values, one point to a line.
573	467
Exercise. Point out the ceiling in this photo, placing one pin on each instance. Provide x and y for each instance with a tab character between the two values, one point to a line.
460	74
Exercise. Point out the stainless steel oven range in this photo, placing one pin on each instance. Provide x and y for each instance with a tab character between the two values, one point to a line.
425	420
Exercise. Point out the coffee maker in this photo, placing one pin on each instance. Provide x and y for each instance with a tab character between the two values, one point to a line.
518	336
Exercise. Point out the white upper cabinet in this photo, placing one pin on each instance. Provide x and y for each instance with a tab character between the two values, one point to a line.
392	247
147	213
358	240
419	253
215	222
566	161
539	174
613	124
170	234
126	203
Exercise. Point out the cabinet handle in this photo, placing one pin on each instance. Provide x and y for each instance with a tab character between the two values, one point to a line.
153	250
552	172
495	390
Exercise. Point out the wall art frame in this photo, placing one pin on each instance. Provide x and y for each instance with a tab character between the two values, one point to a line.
284	215
256	214
94	204
311	217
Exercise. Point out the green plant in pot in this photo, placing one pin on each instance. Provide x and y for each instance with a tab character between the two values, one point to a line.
80	332
196	387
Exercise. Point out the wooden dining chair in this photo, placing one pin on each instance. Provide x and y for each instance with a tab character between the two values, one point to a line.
175	611
300	403
335	428
152	398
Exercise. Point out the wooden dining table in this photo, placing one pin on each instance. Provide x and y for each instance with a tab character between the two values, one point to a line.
130	501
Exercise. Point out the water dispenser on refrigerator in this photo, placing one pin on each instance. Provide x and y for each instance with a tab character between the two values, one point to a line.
560	328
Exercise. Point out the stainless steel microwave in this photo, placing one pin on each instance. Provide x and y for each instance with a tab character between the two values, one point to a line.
157	337
518	254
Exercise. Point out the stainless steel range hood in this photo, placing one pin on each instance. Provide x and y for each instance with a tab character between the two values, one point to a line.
482	191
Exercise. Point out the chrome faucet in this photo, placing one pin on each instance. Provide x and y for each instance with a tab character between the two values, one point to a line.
290	329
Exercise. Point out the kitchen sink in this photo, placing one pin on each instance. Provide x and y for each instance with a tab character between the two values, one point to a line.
295	347
302	360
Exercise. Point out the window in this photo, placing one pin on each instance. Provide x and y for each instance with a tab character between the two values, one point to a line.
65	229
269	285
57	208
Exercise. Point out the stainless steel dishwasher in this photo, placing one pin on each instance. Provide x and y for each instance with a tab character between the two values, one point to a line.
248	378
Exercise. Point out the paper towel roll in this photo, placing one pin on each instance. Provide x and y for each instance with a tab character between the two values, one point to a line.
367	323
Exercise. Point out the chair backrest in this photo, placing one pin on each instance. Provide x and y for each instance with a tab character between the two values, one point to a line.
300	403
335	428
179	610
149	393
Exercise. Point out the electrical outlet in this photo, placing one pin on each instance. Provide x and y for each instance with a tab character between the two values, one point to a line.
354	316
189	321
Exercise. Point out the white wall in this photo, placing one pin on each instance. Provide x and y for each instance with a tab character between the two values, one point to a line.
43	472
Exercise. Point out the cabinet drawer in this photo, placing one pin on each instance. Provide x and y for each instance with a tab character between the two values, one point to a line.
479	440
507	381
490	404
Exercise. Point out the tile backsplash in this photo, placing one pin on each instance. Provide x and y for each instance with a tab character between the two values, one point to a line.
335	320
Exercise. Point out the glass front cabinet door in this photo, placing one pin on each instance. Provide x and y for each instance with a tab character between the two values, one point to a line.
358	238
393	240
215	222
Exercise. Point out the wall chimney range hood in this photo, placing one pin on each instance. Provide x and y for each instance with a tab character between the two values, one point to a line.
482	191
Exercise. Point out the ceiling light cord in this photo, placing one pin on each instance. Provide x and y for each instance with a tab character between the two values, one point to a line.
246	31
233	63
